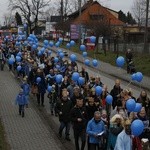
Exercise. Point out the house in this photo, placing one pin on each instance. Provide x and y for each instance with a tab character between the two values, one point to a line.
92	10
95	16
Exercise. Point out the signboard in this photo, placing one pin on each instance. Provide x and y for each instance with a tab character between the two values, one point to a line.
74	31
89	45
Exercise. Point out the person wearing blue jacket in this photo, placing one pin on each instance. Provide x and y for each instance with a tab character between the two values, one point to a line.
95	129
26	89
21	101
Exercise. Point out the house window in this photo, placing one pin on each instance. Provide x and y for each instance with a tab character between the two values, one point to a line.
96	17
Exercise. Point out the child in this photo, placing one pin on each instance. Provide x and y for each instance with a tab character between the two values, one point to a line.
52	100
26	89
21	101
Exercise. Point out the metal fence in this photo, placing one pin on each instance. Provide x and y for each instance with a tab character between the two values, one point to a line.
123	47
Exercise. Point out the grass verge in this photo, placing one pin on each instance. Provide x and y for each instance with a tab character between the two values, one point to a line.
141	61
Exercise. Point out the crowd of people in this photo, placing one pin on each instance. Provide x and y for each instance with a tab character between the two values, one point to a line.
103	126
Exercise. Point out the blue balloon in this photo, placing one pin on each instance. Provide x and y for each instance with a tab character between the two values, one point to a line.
82	47
19	54
130	105
98	90
87	62
120	61
18	58
25	43
20	39
57	44
38	79
43	50
39	53
18	68
10	61
60	39
75	76
56	59
59	78
20	32
138	107
92	39
72	43
61	55
46	42
133	76
58	66
18	43
34	46
49	52
109	99
23	37
59	51
68	45
95	63
81	80
29	38
51	44
73	57
139	76
31	43
49	88
137	127
84	54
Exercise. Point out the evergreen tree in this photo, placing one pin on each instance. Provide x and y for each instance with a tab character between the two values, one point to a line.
18	19
122	16
126	18
130	19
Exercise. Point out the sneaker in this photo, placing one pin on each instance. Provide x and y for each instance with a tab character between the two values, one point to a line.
52	113
19	112
22	114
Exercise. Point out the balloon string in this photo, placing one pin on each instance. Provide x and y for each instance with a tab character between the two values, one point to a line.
140	87
128	84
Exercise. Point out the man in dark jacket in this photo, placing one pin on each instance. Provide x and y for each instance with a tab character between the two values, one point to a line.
115	92
79	120
41	87
63	108
129	58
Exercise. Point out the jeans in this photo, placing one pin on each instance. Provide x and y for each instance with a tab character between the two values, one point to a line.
40	98
65	125
21	110
80	134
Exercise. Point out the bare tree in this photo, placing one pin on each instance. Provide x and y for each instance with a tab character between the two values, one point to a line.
8	18
30	10
139	10
100	27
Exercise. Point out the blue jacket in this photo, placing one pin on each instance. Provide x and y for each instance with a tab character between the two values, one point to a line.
93	129
26	88
21	99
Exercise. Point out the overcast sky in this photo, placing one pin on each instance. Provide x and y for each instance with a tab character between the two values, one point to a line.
124	5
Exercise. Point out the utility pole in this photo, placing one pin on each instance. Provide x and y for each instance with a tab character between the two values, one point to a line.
79	5
146	49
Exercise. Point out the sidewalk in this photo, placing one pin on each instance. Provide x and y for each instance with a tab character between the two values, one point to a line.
30	132
114	71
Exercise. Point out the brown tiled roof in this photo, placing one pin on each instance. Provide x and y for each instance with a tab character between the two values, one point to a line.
86	9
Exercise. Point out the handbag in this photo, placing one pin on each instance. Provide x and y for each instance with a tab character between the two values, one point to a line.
34	89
